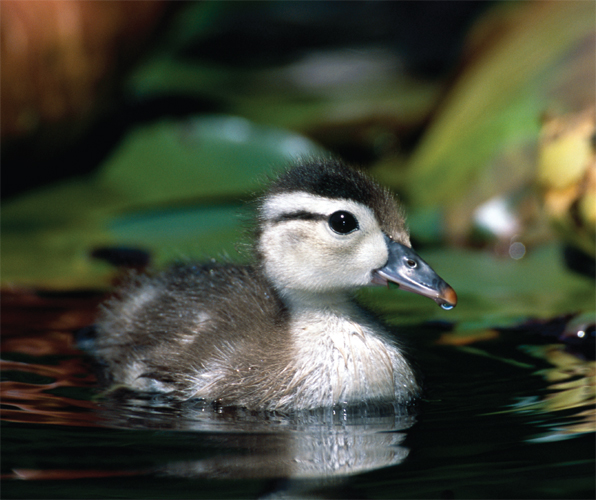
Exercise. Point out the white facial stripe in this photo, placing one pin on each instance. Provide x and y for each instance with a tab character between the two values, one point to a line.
298	201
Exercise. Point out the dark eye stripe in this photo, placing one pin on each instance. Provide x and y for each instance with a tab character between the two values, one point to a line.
299	215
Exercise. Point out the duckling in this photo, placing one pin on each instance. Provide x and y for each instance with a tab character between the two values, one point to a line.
283	333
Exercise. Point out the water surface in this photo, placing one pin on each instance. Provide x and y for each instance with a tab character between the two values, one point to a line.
506	413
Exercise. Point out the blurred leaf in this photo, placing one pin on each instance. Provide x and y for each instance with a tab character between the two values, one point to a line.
497	101
201	232
276	96
566	176
363	87
48	234
207	157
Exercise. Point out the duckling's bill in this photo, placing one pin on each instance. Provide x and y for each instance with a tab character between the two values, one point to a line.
407	269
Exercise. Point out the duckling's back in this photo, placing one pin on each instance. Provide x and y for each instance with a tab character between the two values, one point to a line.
193	328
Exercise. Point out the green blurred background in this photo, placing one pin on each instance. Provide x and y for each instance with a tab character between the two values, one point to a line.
147	125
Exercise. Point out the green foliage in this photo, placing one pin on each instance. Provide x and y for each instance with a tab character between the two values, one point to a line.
152	192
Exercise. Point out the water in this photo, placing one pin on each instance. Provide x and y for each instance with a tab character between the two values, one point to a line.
506	413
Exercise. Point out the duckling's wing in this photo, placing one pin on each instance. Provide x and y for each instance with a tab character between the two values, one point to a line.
172	332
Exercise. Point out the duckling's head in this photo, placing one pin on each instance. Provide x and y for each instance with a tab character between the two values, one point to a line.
324	227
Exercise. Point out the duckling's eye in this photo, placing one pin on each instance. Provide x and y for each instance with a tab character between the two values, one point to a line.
343	222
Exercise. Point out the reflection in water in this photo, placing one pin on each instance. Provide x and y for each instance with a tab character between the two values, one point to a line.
572	386
322	443
44	374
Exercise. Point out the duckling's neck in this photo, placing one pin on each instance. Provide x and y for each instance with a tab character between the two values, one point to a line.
301	302
317	316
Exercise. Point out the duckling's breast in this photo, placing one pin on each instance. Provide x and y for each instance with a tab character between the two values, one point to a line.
345	358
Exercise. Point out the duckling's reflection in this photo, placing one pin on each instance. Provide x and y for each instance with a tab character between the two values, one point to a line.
324	443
